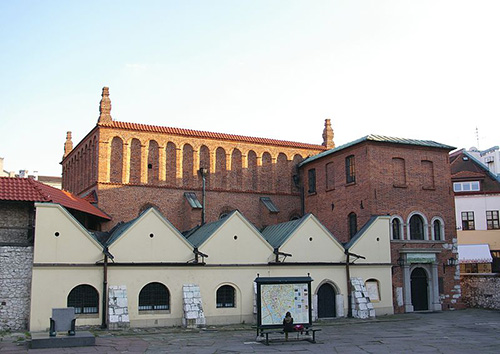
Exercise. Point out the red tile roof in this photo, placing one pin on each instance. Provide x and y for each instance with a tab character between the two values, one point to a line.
467	174
29	190
209	135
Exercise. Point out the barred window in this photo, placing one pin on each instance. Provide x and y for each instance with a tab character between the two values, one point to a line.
154	296
468	220
225	296
84	298
492	219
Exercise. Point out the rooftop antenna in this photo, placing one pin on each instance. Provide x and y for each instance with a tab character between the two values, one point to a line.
477	138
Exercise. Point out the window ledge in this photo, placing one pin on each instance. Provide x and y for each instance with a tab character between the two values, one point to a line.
311	193
419	241
154	312
350	184
428	188
86	315
400	185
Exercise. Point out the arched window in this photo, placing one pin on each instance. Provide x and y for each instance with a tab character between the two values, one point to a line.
416	227
396	228
225	297
437	229
154	296
84	298
353	224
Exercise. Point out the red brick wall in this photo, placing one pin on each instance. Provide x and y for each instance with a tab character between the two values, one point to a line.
380	189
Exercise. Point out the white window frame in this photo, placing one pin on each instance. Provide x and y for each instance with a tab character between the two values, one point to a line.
473	186
441	222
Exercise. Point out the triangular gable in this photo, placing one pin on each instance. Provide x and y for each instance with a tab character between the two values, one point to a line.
149	238
310	241
60	238
372	241
235	241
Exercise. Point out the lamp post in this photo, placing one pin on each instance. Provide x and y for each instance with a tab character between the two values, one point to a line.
203	173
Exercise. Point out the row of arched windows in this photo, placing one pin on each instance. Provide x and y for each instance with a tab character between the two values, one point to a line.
152	297
417	228
179	166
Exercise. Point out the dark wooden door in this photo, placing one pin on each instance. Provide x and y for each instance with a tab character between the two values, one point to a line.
419	284
326	301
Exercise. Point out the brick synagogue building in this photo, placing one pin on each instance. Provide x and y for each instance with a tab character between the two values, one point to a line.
193	177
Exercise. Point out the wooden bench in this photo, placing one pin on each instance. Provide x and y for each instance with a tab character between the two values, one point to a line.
301	335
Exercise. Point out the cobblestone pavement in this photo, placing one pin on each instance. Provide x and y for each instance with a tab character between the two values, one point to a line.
466	331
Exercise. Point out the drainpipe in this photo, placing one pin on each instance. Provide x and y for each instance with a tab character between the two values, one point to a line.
349	288
104	323
104	292
203	172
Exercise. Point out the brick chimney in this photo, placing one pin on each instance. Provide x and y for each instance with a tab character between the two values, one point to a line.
328	135
68	145
105	107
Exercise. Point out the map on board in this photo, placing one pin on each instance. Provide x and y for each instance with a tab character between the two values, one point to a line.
278	299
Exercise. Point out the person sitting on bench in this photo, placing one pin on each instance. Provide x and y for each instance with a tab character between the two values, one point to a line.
288	324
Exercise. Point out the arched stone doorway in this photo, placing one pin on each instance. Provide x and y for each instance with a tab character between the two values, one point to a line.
419	290
326	301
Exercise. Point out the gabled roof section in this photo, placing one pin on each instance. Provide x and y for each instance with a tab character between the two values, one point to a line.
121	228
277	234
381	139
208	135
30	190
464	166
203	233
360	233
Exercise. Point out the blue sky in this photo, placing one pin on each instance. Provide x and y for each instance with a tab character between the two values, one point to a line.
413	69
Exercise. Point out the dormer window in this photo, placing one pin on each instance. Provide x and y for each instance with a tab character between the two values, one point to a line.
472	186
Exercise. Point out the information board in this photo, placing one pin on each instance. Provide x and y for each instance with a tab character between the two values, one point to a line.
277	296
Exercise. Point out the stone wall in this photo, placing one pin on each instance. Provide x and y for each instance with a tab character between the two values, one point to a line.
481	290
15	284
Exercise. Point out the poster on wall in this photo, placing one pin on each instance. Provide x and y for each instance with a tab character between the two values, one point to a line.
278	295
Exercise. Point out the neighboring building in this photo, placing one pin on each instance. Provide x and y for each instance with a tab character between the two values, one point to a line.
4	173
150	265
477	201
489	158
409	180
474	258
128	167
17	220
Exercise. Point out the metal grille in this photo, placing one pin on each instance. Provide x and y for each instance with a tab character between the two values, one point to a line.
85	299
154	296
225	296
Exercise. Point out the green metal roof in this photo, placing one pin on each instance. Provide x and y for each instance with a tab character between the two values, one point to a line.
381	139
277	234
204	232
360	233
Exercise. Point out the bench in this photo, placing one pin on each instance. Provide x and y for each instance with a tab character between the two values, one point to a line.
308	333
